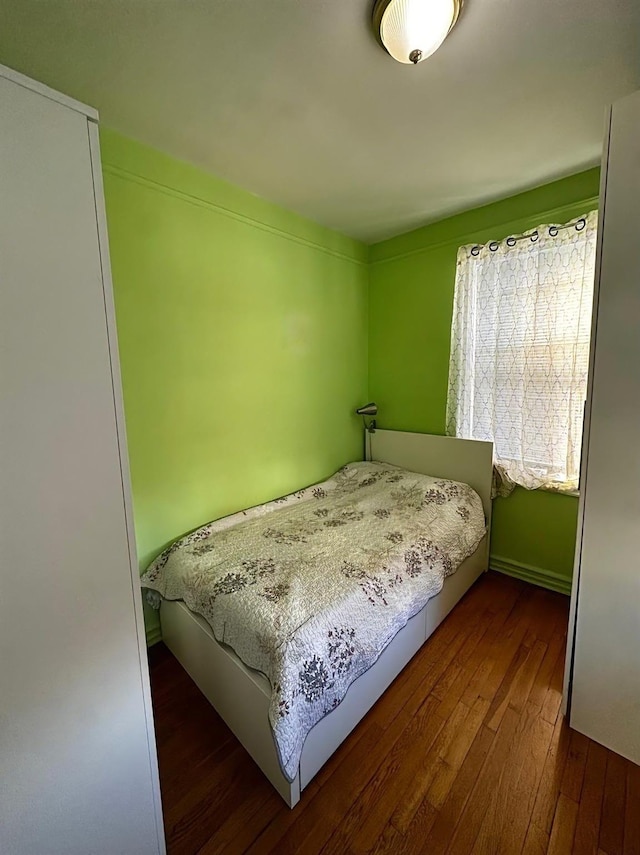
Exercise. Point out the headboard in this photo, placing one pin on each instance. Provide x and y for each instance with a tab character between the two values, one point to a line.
466	460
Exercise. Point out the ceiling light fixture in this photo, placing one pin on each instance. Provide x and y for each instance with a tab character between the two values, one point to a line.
411	30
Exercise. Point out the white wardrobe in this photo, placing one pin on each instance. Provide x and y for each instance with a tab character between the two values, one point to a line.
78	768
602	686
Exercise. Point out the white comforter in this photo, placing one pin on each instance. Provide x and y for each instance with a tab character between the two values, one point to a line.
310	589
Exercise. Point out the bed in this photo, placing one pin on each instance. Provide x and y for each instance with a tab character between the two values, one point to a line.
246	575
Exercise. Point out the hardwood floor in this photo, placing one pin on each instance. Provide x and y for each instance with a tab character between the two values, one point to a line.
466	752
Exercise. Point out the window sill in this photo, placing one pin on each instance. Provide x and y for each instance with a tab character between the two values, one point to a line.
575	494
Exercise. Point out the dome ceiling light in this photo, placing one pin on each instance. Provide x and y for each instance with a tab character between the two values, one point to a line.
411	30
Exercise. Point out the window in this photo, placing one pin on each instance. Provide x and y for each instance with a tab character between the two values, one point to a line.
520	351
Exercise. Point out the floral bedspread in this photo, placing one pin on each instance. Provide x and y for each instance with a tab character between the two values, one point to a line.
309	589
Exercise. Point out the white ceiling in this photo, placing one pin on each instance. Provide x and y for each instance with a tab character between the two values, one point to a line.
294	99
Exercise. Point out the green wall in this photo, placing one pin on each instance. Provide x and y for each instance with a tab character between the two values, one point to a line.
243	343
246	334
410	307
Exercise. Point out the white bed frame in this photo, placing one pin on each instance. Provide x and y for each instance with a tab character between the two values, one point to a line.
241	695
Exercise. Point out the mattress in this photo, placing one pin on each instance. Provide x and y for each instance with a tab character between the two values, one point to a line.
310	589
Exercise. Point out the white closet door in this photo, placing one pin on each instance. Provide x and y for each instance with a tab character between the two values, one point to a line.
605	696
76	759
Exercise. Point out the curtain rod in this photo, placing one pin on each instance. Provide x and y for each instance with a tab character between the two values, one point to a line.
578	225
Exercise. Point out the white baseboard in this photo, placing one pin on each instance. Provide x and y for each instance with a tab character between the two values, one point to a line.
534	575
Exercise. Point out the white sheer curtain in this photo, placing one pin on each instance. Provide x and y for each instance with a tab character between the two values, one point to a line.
520	351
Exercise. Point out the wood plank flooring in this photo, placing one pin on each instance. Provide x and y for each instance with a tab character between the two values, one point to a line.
466	752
